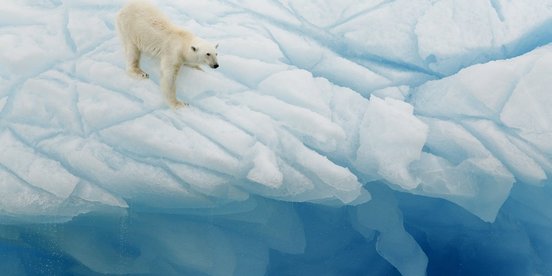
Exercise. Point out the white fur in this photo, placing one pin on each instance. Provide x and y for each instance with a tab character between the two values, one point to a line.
143	28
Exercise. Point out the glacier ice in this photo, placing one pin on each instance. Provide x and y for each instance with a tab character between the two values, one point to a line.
337	138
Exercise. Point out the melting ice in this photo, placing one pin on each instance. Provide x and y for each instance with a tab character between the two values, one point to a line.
337	138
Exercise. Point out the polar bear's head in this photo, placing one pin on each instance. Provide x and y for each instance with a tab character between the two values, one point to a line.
205	53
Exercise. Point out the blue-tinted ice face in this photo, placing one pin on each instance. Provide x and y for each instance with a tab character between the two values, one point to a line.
417	145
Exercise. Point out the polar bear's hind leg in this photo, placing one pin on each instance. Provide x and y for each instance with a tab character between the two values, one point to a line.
133	62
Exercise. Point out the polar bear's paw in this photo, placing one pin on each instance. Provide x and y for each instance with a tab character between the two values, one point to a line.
138	73
178	104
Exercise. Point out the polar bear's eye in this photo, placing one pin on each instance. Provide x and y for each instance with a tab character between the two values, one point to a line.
208	54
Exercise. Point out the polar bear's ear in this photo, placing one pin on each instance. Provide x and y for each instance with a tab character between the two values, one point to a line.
216	46
194	48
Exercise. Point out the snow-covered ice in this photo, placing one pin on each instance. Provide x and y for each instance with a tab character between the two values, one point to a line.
337	138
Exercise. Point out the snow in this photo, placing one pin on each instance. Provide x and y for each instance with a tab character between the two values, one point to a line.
337	138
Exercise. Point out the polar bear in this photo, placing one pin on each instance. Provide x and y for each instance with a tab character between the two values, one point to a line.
144	29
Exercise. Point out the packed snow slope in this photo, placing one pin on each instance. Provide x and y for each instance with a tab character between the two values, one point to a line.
337	138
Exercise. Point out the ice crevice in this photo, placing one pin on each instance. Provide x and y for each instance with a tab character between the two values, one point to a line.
360	13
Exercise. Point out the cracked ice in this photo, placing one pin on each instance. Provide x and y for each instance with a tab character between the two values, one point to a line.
351	138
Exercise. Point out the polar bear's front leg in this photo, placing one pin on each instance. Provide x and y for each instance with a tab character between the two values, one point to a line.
169	71
195	67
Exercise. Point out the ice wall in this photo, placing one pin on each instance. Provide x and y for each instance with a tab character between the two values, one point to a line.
350	138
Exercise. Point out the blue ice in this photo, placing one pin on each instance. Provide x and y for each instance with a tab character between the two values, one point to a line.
377	137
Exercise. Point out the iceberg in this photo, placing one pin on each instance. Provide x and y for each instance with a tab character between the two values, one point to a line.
406	137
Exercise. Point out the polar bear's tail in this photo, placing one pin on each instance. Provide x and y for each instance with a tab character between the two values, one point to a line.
118	24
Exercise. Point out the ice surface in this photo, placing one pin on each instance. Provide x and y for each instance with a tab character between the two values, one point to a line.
337	138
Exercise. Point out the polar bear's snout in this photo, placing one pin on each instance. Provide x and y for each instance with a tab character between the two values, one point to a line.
213	63
212	58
